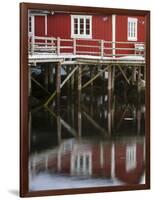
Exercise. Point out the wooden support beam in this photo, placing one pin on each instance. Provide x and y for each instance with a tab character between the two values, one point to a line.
123	73
51	78
79	78
29	81
144	73
133	74
91	74
110	78
72	82
79	121
139	78
58	84
94	78
61	85
46	75
44	89
59	129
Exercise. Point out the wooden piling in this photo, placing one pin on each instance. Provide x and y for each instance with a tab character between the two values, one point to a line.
29	80
139	78
133	74
109	79
109	99
79	78
113	77
46	75
58	83
51	78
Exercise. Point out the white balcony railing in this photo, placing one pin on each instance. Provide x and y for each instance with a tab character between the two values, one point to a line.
94	47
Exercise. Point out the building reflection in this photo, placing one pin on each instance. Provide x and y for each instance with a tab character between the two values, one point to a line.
121	160
93	138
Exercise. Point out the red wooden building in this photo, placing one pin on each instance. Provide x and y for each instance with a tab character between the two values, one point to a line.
99	35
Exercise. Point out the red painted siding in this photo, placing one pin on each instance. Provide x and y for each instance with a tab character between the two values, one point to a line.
122	31
39	25
59	25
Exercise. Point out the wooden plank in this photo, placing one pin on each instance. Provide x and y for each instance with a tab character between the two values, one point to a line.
87	52
66	47
89	46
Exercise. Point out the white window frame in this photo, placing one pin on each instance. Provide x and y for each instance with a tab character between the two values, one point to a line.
84	17
132	29
32	32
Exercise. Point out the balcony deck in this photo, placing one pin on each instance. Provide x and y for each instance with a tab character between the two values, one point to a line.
74	51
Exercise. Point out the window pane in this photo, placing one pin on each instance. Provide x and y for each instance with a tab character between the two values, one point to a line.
81	26
87	26
75	26
30	24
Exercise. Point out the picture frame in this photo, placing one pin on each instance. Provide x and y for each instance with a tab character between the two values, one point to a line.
25	138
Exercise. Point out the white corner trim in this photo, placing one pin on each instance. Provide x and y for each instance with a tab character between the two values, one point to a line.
113	34
46	24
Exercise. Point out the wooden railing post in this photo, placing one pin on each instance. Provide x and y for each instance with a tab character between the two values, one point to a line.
58	45
74	46
102	48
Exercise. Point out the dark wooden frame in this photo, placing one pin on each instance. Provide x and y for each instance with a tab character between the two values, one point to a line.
24	140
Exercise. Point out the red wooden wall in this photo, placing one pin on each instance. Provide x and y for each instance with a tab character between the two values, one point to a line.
59	25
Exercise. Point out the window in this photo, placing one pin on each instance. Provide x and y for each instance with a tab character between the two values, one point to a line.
81	26
132	29
130	157
31	25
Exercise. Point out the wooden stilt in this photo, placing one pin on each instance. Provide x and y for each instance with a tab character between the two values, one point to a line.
72	82
133	74
144	73
58	83
91	75
59	129
46	77
79	119
113	78
109	78
139	78
109	98
29	80
79	78
51	74
139	120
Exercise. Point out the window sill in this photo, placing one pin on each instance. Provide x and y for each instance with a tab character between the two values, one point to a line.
81	36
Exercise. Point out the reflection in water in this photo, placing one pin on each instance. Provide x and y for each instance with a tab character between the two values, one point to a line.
89	141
